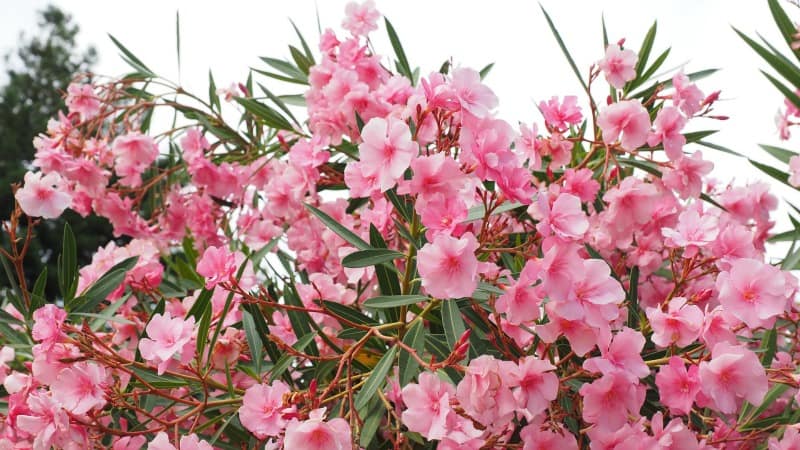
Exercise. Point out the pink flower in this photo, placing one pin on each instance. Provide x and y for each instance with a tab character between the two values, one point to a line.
133	153
733	372
486	145
752	291
622	355
580	184
217	265
618	65
43	196
687	96
678	387
46	420
448	266
386	151
262	411
47	323
627	119
428	405
189	442
485	391
692	233
520	301
434	174
316	434
686	176
794	171
81	387
361	18
561	115
535	437
565	218
81	99
167	337
681	325
789	441
538	386
609	400
475	97
668	125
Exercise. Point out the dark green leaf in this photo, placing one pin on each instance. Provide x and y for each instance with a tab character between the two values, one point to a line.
288	69
778	62
414	338
370	257
339	229
253	340
644	51
131	59
633	298
564	49
376	379
779	175
285	361
267	115
452	322
779	153
391	301
68	265
485	71
402	62
99	290
347	314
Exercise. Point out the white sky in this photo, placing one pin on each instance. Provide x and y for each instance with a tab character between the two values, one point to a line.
228	37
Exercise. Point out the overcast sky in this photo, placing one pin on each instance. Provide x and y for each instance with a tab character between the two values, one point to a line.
227	37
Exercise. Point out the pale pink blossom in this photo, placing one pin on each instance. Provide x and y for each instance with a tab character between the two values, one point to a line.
428	405
623	355
734	372
560	115
789	441
693	232
361	18
448	266
686	175
47	323
81	387
754	292
627	121
687	96
667	131
386	151
167	337
262	411
618	65
536	437
475	97
133	153
485	392
217	265
81	99
538	386
794	171
317	434
681	325
43	195
609	400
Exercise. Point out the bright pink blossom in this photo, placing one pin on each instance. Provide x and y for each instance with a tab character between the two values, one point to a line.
734	372
668	125
43	196
520	301
167	337
627	121
618	65
448	266
677	386
316	434
47	323
262	411
538	385
386	151
623	355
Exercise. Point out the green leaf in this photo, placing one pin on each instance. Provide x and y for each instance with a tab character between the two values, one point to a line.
68	265
779	175
788	93
202	331
347	314
633	298
564	49
300	59
769	346
788	30
402	62
200	304
253	340
781	154
376	379
339	229
485	71
478	212
288	69
371	422
279	103
391	301
719	148
452	322
178	39
370	257
267	115
131	59
770	398
285	361
306	48
280	77
99	290
644	51
778	62
656	65
213	97
414	338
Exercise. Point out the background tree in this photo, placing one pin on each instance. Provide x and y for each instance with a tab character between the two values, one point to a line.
37	75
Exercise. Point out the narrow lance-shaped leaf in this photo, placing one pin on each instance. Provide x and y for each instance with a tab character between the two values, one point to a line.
560	41
370	257
376	379
402	61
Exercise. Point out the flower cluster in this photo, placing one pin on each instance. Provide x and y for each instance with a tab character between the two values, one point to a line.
402	267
